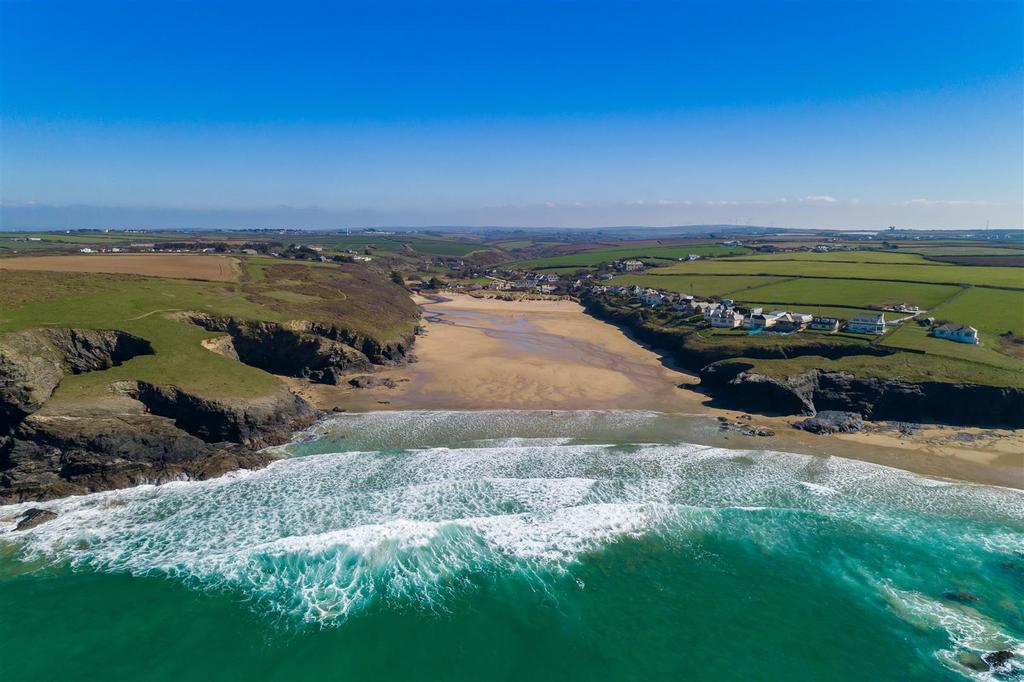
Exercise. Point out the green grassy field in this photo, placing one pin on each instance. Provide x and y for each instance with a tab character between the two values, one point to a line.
937	273
882	257
992	312
967	250
853	292
592	257
907	366
698	285
348	296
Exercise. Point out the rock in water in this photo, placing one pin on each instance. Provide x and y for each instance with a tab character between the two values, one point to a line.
34	517
830	421
997	659
960	596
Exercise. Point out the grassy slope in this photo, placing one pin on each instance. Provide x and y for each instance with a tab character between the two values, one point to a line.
144	306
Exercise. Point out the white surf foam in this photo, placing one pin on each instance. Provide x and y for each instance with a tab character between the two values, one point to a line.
322	536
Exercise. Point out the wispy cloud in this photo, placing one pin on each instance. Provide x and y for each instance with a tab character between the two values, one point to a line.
820	199
947	202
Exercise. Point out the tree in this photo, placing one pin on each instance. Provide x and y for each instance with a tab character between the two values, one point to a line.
397	278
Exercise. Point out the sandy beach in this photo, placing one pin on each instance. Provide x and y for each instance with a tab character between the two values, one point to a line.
485	353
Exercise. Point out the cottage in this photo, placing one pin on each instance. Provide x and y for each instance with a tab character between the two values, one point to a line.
827	324
788	322
960	333
763	320
867	323
726	318
631	265
652	297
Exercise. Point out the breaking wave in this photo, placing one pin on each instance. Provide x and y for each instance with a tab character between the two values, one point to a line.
320	537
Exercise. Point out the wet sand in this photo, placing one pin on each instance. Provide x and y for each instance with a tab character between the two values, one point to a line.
484	353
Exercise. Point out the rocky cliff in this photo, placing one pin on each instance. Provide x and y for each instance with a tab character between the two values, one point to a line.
316	351
147	433
874	398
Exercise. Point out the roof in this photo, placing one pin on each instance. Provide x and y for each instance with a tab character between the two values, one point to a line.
874	318
952	327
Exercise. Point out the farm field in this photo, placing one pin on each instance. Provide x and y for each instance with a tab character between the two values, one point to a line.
853	292
179	266
991	311
698	285
967	250
936	273
882	257
592	257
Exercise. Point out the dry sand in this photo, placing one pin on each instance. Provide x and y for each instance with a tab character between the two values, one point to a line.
484	353
177	265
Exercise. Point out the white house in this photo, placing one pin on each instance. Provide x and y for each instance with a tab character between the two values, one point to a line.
828	324
960	333
630	265
86	250
867	323
726	318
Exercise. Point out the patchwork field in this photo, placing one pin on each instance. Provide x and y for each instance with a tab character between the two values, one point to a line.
937	273
179	266
853	292
592	257
697	285
841	284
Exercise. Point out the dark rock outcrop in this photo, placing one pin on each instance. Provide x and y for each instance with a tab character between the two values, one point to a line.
166	435
372	382
319	352
831	421
33	363
254	423
35	517
874	398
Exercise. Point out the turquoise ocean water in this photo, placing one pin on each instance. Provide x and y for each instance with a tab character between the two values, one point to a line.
521	546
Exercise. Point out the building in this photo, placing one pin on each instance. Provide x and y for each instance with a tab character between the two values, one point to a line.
87	250
631	265
790	322
652	297
763	320
867	323
960	333
827	324
726	318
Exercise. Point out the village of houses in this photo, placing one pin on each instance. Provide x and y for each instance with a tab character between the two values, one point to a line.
725	313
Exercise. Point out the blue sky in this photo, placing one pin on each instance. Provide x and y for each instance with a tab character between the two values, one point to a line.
822	114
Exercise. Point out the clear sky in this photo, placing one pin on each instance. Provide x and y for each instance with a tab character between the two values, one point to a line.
806	114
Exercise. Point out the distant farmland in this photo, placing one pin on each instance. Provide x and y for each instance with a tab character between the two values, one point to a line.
179	266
